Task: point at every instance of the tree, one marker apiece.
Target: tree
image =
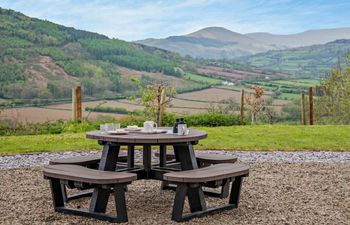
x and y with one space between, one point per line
333 104
155 97
255 101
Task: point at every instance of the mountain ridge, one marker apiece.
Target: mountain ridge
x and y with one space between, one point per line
232 44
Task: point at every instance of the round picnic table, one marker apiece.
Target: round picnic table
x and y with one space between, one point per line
183 149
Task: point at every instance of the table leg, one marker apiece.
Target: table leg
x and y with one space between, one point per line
108 162
186 156
147 159
131 156
162 155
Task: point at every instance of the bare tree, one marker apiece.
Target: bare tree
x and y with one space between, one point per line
255 101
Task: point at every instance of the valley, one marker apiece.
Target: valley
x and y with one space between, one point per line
39 67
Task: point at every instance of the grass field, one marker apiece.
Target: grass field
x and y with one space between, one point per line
253 138
204 79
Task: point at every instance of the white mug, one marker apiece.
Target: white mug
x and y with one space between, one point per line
182 129
149 126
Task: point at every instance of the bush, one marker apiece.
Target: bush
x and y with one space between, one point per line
107 109
206 120
60 126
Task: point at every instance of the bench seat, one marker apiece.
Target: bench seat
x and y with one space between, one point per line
86 160
84 174
205 158
103 183
207 174
190 182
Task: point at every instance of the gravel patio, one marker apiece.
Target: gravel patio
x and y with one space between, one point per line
295 192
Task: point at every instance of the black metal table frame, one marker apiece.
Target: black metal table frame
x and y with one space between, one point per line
184 154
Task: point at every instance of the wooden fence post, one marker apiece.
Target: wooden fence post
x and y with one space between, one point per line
311 102
161 113
74 109
76 104
303 116
242 107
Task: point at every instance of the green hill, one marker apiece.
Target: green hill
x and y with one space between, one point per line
44 60
311 61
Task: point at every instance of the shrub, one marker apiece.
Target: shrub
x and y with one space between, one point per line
206 120
107 109
60 126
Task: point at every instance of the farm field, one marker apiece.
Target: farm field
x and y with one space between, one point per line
204 79
299 82
187 103
226 73
36 114
288 89
211 94
178 83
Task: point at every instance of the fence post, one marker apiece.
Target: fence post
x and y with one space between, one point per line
242 107
76 104
303 116
161 113
74 109
311 102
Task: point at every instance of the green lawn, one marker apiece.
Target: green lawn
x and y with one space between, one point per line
259 137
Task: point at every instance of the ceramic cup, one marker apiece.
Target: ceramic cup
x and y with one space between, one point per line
182 129
149 126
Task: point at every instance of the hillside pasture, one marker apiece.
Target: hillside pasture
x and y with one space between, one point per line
180 84
211 95
203 79
36 114
226 73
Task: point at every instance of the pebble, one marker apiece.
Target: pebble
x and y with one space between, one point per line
40 159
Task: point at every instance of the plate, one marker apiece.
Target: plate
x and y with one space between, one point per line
114 132
133 129
157 131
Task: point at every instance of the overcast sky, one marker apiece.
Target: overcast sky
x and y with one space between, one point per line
140 19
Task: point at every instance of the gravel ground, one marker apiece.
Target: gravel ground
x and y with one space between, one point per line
274 193
34 160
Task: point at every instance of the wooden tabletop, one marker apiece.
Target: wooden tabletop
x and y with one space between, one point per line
137 138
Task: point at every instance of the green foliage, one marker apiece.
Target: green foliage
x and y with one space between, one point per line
10 73
206 120
202 79
125 54
333 106
107 109
90 58
311 61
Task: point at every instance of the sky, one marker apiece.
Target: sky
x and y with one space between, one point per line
140 19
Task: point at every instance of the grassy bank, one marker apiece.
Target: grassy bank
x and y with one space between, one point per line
264 138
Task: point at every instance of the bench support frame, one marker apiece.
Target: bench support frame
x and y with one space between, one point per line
120 203
184 189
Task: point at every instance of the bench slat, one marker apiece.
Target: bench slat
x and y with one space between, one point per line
86 160
83 174
207 174
205 157
215 158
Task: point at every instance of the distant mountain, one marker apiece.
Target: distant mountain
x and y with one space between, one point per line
311 61
310 37
211 42
221 43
